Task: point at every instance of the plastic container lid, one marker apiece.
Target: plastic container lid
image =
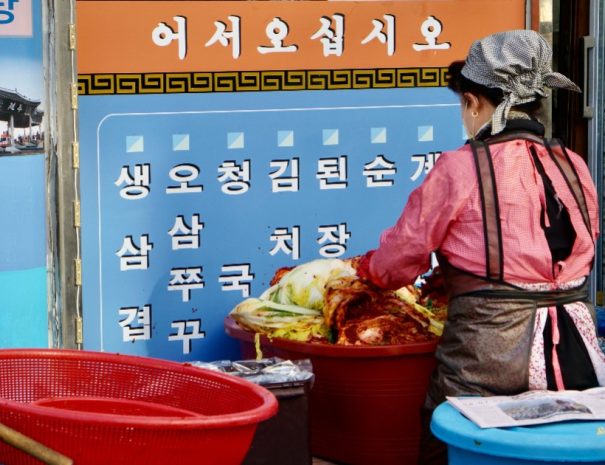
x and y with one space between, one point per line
271 372
580 441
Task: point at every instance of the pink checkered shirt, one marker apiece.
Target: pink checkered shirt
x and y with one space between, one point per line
444 214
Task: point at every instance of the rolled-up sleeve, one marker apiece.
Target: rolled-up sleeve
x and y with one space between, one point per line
405 248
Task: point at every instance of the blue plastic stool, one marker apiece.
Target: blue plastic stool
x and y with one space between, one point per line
571 443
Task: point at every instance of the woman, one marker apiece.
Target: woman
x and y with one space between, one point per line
513 219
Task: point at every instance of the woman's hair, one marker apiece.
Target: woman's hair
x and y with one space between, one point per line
460 84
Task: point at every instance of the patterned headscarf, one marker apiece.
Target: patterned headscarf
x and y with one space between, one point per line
519 63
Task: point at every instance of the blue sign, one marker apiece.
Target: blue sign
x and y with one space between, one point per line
190 203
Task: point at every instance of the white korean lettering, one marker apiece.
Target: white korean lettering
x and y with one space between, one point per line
136 326
384 37
133 257
286 241
332 39
332 173
377 170
163 35
184 174
334 237
430 29
185 236
425 163
236 278
185 280
282 182
235 178
225 37
137 185
277 30
195 332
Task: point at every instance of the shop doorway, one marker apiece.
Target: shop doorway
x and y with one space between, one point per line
578 43
571 26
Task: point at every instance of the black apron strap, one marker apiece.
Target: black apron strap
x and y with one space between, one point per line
560 157
488 193
494 262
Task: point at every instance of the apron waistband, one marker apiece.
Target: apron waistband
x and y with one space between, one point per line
461 283
541 298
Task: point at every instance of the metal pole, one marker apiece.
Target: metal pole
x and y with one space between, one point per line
594 106
61 188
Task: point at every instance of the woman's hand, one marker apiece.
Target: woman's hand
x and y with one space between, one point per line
362 266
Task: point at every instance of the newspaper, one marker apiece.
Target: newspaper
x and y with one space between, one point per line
532 407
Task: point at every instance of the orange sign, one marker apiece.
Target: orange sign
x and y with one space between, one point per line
183 36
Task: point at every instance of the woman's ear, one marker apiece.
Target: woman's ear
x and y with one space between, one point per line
472 101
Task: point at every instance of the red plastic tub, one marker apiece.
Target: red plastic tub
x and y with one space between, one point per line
108 409
365 401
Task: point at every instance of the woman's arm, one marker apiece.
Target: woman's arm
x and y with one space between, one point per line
405 248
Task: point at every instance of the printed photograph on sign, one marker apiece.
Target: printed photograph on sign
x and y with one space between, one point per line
21 80
24 318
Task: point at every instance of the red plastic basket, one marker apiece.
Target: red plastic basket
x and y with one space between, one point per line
365 401
109 409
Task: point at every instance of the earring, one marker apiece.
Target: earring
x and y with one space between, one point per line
474 114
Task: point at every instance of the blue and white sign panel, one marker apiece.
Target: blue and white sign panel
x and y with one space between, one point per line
191 203
223 140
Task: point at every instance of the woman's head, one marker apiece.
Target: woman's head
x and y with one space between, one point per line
461 85
506 70
478 102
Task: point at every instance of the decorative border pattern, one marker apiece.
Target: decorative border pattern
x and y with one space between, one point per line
245 81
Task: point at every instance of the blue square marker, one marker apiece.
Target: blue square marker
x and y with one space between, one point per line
378 135
135 143
425 133
180 142
330 137
285 138
235 140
